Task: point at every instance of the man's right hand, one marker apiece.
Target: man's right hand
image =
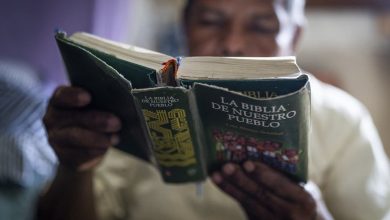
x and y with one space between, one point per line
80 136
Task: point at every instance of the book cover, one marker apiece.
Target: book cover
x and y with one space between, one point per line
271 130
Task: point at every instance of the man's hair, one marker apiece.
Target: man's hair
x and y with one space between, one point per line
295 9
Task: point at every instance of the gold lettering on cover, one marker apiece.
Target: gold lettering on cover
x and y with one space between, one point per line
171 137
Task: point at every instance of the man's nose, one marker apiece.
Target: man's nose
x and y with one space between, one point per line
233 42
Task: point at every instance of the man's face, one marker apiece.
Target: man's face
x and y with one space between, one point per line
237 28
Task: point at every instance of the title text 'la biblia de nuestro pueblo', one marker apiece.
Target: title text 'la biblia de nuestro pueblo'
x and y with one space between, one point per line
265 116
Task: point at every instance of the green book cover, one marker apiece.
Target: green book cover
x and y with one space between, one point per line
273 129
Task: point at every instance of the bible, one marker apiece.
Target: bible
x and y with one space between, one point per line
190 115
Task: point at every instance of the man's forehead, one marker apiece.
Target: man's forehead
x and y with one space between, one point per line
294 8
262 6
284 2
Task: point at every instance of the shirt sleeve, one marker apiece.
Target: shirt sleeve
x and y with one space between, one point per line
356 181
112 183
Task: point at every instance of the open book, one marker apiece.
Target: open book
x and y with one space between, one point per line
191 115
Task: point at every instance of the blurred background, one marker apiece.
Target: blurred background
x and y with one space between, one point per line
345 43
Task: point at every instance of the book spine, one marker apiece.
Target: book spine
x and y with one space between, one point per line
172 131
199 133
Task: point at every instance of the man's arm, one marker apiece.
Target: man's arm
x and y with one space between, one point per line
358 177
357 171
80 137
69 197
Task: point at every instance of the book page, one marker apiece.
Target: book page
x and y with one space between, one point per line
122 51
237 67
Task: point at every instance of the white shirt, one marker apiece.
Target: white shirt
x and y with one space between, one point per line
346 161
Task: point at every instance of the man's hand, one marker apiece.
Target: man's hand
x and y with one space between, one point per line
265 193
79 136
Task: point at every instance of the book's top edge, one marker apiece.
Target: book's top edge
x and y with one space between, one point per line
193 68
84 35
264 59
238 67
233 78
134 54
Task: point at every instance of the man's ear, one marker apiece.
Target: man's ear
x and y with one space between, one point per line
297 36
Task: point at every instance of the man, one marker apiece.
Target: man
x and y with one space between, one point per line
347 161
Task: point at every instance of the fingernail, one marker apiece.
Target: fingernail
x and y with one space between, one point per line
113 123
249 166
229 169
217 178
84 98
114 139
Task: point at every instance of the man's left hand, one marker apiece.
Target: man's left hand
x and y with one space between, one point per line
265 193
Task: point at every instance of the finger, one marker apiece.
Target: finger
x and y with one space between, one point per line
77 136
99 121
276 182
69 97
90 119
252 207
235 175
